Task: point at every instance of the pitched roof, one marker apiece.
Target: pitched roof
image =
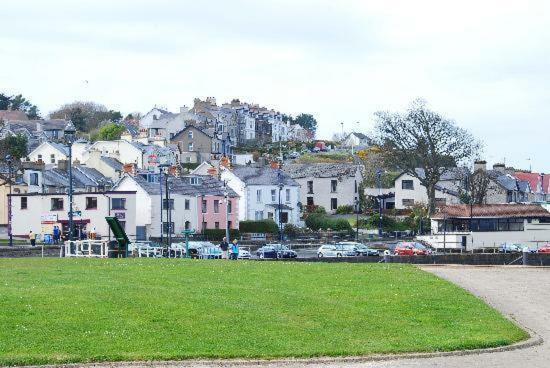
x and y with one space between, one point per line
533 178
492 211
83 177
112 162
263 176
451 173
13 115
320 170
208 185
359 135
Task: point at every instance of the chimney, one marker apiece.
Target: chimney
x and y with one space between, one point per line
212 171
63 165
129 169
274 164
501 168
480 165
174 171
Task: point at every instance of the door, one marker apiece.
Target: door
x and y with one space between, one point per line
464 243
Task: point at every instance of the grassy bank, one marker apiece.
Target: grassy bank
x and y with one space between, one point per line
80 310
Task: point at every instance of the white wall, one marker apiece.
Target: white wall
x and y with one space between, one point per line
419 193
28 219
345 191
47 150
122 150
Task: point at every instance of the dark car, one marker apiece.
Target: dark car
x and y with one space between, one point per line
275 251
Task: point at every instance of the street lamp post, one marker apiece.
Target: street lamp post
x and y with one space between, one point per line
357 210
280 177
379 183
226 198
168 206
69 134
10 232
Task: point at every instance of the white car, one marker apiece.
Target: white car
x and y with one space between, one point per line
243 254
329 250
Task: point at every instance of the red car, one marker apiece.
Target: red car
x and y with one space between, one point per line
410 249
544 249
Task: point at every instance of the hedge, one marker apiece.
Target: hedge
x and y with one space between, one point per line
261 226
317 221
218 234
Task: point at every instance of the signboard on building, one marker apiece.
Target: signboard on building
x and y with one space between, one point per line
48 218
120 215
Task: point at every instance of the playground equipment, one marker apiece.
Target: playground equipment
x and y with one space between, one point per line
120 236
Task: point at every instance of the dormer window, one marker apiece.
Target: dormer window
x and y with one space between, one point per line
190 135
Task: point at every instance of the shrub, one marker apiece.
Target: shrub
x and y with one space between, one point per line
344 209
218 234
317 221
261 226
291 230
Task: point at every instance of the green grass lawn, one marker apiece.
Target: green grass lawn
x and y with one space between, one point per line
82 310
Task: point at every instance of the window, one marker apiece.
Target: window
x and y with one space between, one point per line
216 206
259 215
168 205
204 206
333 203
194 180
187 204
310 187
284 217
52 158
91 203
118 203
259 196
39 157
355 182
287 195
408 202
190 135
187 225
216 225
166 228
33 179
229 206
270 215
273 195
310 201
57 204
190 146
440 201
24 203
407 184
229 224
171 135
333 185
204 225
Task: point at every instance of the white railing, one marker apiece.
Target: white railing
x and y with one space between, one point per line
85 248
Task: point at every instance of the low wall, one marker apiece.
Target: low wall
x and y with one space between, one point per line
534 259
18 252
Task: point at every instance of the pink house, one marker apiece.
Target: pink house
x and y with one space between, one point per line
212 211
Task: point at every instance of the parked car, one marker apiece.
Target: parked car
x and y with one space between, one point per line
365 250
544 249
510 248
348 249
329 250
275 251
244 253
410 249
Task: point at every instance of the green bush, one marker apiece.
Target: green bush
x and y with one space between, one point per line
345 209
291 230
218 234
261 226
317 221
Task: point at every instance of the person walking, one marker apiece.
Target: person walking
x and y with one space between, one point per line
92 233
32 238
224 246
235 249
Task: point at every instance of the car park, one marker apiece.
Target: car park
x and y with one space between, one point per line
275 251
329 250
510 248
410 249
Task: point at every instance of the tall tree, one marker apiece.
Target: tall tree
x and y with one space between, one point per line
109 132
86 116
18 102
477 186
422 138
13 145
306 121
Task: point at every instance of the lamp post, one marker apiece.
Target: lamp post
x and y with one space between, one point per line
69 135
226 198
168 206
379 183
10 233
280 179
444 225
357 210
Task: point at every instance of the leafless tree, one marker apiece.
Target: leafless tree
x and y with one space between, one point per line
421 138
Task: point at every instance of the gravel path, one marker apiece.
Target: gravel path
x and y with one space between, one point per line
521 293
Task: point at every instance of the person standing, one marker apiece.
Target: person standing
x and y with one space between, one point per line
32 238
224 246
235 249
56 235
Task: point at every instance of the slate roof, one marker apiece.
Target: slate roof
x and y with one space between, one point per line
451 173
82 177
359 135
262 176
112 162
61 148
320 170
492 211
208 186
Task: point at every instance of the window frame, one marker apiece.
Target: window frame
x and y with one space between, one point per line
87 203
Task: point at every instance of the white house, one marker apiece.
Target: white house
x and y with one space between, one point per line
195 203
259 189
408 190
40 212
49 153
355 139
489 225
326 184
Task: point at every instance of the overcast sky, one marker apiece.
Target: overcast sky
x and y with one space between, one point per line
485 64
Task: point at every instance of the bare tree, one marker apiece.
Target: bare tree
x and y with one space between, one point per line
478 185
421 138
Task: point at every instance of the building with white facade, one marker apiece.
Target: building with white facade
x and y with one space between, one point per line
49 153
40 212
468 227
327 184
259 189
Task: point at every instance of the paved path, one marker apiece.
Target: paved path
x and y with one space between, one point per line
522 293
